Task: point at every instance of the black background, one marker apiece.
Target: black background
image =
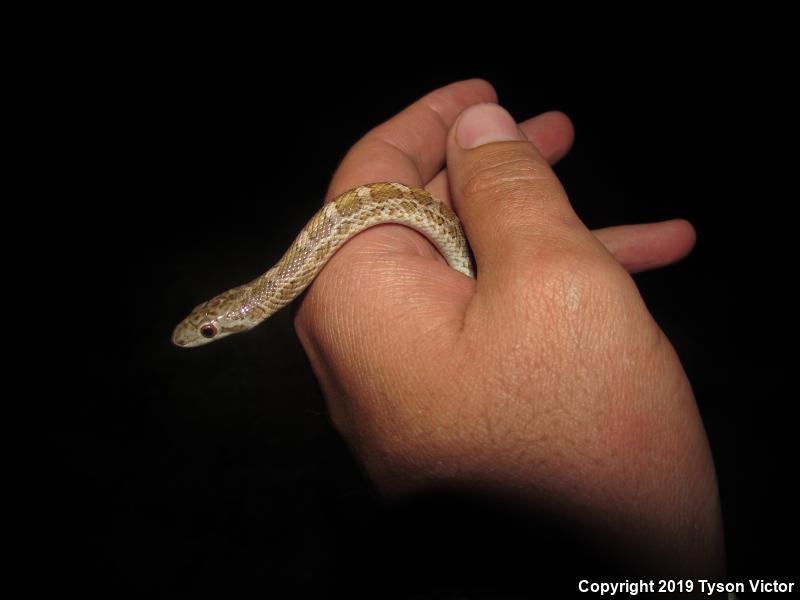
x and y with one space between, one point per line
184 168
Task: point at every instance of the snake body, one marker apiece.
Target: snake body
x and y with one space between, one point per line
244 307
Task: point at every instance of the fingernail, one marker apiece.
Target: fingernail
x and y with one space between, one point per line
484 124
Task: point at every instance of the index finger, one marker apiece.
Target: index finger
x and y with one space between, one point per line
410 147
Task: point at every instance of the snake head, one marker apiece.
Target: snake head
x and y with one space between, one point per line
210 321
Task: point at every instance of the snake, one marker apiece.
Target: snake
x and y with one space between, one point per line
246 306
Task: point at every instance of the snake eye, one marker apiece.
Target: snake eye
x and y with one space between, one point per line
208 330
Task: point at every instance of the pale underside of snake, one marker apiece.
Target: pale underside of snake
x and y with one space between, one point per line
244 307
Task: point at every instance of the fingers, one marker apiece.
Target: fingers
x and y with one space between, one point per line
411 146
648 245
510 201
551 132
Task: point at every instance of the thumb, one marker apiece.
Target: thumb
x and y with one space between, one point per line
511 204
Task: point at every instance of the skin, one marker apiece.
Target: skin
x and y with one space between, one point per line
545 379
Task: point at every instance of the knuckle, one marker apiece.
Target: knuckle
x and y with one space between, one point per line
507 174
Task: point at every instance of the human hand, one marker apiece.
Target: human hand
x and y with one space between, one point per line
546 377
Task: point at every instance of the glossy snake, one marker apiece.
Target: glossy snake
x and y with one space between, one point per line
245 306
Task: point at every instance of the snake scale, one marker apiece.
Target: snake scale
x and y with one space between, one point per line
244 307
